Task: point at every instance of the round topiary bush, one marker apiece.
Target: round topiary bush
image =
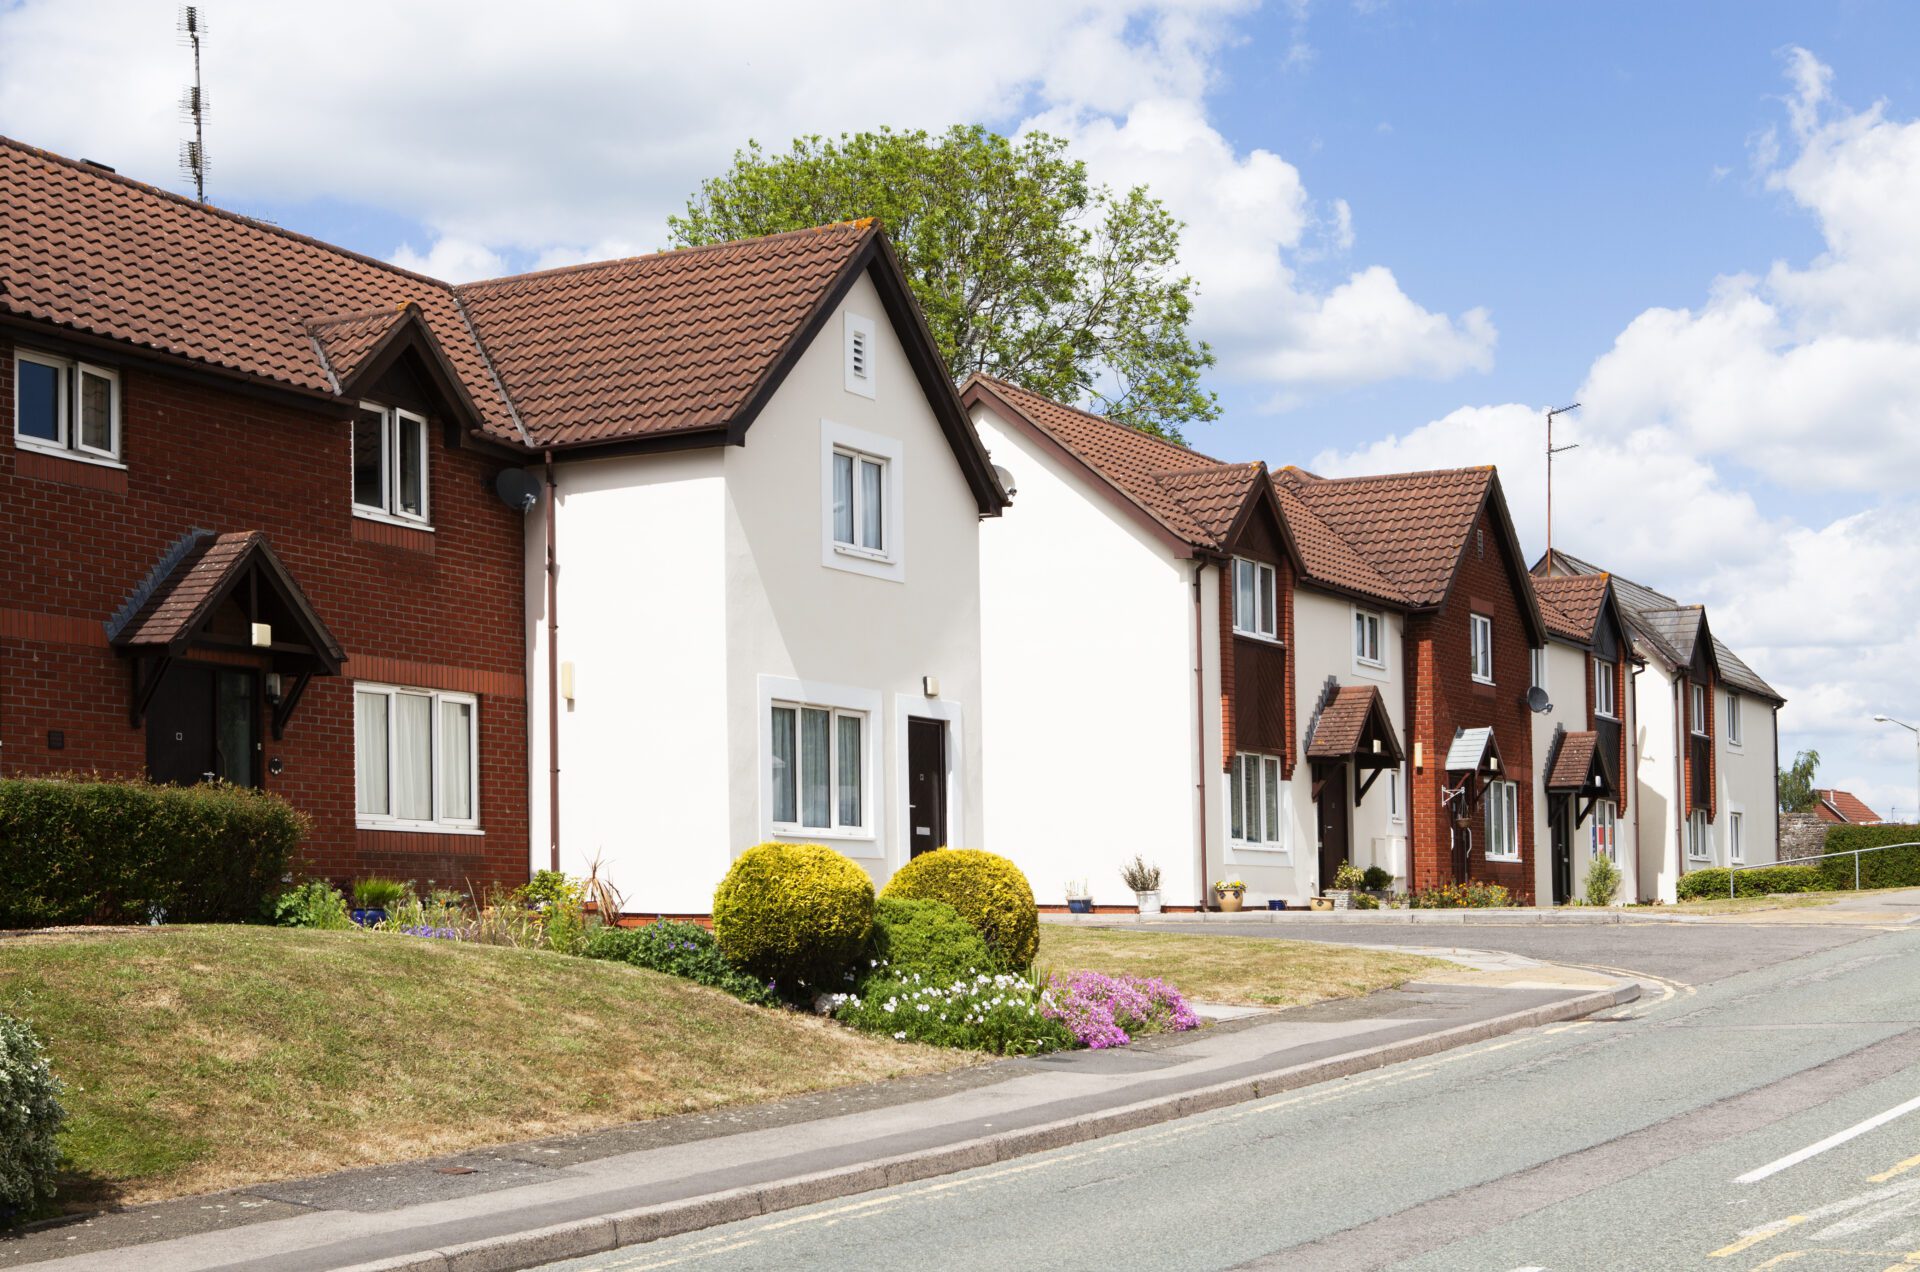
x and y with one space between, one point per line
989 892
30 1117
927 937
793 914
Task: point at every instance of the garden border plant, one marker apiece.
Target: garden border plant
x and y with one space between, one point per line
30 1122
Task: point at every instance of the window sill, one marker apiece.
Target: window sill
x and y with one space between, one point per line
1264 640
1502 861
51 451
1483 680
1274 850
863 554
416 828
388 519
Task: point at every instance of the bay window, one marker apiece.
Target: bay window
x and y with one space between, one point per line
416 758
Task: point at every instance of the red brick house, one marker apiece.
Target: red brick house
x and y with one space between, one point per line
248 482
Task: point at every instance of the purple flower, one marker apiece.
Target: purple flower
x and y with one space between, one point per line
1107 1011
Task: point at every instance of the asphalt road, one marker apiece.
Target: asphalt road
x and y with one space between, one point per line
1674 1134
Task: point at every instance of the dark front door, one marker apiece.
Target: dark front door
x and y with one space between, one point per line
1333 823
202 723
926 785
1562 853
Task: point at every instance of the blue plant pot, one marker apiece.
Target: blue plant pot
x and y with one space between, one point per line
1079 905
367 918
1276 903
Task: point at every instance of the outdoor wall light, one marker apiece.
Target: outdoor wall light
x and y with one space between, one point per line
1418 762
566 681
262 635
273 687
930 686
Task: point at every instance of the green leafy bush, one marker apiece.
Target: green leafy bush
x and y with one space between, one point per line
313 904
87 850
1349 878
989 892
928 937
1001 1014
377 894
1760 882
1376 879
678 949
1889 868
1363 901
1603 880
561 904
30 1118
1460 896
794 914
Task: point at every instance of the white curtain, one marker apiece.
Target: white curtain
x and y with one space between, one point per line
815 750
849 764
785 807
370 751
842 498
413 757
872 502
456 761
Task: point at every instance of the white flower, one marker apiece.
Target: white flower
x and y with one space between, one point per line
900 1035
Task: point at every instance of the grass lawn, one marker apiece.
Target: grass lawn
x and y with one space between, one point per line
1252 970
205 1057
1741 905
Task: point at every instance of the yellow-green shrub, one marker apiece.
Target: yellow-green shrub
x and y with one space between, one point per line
793 914
989 892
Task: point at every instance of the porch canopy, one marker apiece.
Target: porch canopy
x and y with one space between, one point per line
1579 768
224 594
1352 725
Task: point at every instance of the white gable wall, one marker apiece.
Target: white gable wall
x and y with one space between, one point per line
1657 819
1747 778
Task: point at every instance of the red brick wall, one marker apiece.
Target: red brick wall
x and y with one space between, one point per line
81 538
1442 695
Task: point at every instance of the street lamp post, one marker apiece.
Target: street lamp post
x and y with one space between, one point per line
1910 728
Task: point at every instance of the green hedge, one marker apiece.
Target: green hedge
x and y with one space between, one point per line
96 851
1893 868
1760 882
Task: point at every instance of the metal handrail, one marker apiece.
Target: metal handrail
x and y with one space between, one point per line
1795 861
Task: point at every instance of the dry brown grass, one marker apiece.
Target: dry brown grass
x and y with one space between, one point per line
206 1057
1251 970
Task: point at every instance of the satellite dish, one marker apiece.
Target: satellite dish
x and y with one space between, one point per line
517 488
1537 700
1006 480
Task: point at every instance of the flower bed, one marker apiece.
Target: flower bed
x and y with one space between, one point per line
1000 1013
1111 1011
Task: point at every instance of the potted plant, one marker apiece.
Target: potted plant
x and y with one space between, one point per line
1079 897
1345 881
1230 894
1378 881
372 898
1145 882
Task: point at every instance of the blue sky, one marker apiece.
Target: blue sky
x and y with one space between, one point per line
1414 225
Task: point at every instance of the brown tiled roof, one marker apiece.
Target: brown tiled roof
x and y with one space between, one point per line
1571 604
1327 557
346 342
1848 807
177 604
1410 527
101 254
1195 498
656 344
1342 722
1573 762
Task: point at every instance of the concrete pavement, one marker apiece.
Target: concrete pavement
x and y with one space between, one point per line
1759 1118
515 1206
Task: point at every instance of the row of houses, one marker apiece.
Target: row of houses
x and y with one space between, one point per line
648 560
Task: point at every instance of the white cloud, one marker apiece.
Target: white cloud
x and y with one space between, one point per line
1809 374
453 259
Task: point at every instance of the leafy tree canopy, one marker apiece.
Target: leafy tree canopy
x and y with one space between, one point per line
1024 270
1796 783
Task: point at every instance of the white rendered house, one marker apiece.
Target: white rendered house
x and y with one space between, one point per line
765 611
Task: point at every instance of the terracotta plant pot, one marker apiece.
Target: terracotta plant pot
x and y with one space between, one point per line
1230 901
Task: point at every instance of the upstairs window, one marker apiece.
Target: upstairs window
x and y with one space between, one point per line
65 407
1604 687
863 512
1503 821
1480 649
1733 720
1366 639
859 502
1539 667
1254 599
389 463
1699 701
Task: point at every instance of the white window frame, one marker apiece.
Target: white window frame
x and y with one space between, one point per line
834 715
1736 733
890 562
1480 648
1606 830
1266 587
1606 676
1502 808
1736 836
1369 622
856 841
1539 669
67 444
1396 794
1699 702
862 334
1270 835
1699 836
436 780
392 418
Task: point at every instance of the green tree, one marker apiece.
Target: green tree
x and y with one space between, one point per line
1796 783
1024 269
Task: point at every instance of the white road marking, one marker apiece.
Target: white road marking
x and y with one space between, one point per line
1840 1137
